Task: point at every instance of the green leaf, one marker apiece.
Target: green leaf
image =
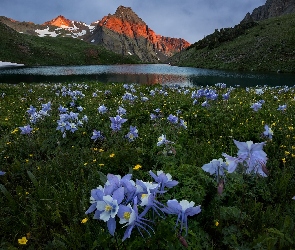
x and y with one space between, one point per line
8 196
103 177
33 178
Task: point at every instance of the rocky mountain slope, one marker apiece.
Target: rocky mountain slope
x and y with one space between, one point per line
264 46
123 33
272 8
57 27
126 33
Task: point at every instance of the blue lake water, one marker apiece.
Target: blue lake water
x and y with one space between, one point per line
142 74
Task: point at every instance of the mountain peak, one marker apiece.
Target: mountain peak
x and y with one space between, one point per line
59 21
127 14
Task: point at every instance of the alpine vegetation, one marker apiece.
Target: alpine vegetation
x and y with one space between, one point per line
165 166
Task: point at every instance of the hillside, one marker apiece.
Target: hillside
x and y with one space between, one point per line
33 50
267 46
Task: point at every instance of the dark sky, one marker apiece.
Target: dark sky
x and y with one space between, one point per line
188 19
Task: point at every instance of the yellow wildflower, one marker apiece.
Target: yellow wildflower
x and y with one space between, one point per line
100 150
112 155
101 164
284 160
22 241
287 152
84 220
137 167
216 223
14 131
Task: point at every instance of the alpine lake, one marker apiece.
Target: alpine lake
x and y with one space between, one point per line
142 74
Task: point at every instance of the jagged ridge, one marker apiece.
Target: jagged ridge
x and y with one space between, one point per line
272 8
125 27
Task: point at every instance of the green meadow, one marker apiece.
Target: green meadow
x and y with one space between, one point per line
50 171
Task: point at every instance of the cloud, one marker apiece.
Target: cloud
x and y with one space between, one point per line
188 19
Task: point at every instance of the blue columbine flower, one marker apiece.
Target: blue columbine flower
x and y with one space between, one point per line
164 180
216 167
226 96
108 207
259 91
80 108
46 107
282 107
116 122
173 119
26 130
182 209
231 162
97 135
183 123
115 182
121 111
205 104
102 109
133 133
132 219
71 126
2 173
153 116
268 133
253 155
85 118
62 109
256 106
31 110
162 140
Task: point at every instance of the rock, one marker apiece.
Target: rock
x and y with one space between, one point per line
272 8
126 33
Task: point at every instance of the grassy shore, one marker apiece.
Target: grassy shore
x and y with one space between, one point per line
51 169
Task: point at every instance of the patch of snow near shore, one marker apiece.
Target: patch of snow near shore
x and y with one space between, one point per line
5 64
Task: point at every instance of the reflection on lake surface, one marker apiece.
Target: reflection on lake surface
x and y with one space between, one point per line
142 74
